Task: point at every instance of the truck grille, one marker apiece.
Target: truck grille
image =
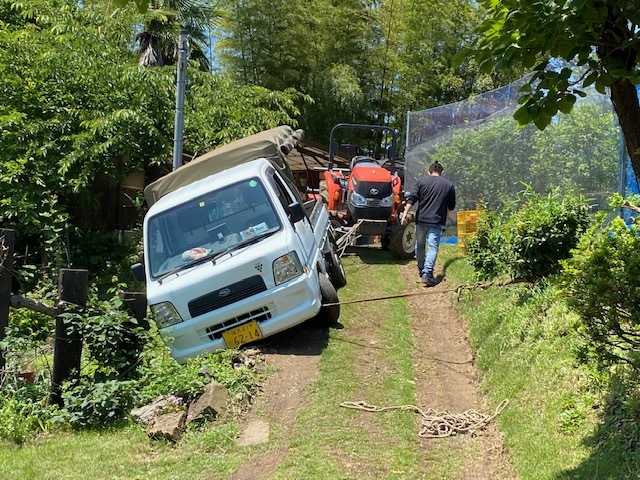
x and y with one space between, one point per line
226 296
259 315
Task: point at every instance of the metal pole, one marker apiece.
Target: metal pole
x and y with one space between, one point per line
180 87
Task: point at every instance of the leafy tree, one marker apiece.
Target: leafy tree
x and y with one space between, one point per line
598 37
488 163
581 149
262 42
433 33
77 109
361 62
68 117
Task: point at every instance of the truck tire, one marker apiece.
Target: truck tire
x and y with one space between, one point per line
402 242
328 315
335 269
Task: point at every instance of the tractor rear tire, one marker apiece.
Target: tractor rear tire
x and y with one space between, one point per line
329 315
402 242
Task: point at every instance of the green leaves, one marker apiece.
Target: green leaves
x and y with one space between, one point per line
601 280
529 241
598 36
141 5
77 110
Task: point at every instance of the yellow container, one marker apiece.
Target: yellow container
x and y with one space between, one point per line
467 226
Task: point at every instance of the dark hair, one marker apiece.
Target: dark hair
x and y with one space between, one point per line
436 167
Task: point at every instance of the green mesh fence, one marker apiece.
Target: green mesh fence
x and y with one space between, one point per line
490 159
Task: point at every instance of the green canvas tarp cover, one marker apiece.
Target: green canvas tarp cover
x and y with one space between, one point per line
273 144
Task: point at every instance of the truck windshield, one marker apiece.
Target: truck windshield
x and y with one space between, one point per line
208 225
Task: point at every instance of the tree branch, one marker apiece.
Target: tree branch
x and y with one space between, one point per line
22 302
626 204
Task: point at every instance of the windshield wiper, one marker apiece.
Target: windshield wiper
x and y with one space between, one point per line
192 263
240 245
213 257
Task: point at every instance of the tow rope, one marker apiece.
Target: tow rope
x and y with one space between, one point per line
438 424
459 289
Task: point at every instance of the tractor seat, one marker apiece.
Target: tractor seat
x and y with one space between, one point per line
360 159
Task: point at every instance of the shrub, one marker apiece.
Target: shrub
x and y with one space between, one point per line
161 375
486 251
124 366
88 403
113 338
529 238
24 410
602 283
19 420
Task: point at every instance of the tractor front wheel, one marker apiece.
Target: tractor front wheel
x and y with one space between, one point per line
402 241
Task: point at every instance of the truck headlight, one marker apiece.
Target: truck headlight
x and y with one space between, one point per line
286 267
387 201
165 314
357 200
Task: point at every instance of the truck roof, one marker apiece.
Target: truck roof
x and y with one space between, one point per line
205 185
273 144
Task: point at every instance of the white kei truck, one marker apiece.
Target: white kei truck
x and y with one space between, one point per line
232 253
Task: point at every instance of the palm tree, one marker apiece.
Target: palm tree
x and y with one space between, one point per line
162 23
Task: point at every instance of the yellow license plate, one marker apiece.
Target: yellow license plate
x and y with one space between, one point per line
245 333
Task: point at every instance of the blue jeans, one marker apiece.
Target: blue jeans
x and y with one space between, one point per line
427 237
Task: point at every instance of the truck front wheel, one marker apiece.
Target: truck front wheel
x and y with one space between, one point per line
328 315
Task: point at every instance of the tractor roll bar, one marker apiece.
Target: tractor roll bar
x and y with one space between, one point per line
392 150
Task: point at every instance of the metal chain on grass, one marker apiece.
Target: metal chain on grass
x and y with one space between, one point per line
438 424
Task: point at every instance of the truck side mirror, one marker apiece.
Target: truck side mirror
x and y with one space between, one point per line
137 269
296 212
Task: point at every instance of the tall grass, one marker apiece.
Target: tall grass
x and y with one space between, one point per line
525 340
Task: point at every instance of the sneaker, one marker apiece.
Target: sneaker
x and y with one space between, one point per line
428 280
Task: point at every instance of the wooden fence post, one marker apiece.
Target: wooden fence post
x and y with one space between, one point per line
67 350
7 243
135 303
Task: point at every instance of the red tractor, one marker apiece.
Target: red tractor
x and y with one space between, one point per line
367 199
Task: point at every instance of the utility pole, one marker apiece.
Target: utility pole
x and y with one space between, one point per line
181 78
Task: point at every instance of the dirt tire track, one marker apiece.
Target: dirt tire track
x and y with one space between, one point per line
295 356
446 374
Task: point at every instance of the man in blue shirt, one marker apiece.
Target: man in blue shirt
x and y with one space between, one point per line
436 197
